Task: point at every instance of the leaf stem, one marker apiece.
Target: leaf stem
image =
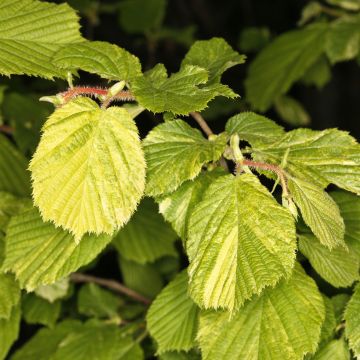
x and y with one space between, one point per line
202 123
110 284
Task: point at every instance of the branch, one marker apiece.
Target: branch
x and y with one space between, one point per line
110 284
6 129
202 123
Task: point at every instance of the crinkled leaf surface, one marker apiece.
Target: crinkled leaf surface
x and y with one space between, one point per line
281 323
147 236
240 240
180 93
254 128
31 32
89 170
173 317
106 60
352 318
39 253
283 62
337 266
319 211
175 152
9 331
9 295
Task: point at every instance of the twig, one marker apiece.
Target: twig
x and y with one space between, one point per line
110 284
6 129
202 123
331 12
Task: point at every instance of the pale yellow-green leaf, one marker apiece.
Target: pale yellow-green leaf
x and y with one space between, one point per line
9 295
240 240
57 290
352 318
282 323
335 349
89 170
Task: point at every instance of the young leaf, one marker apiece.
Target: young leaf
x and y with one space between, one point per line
339 302
39 311
9 331
256 129
175 152
93 301
9 295
101 58
180 93
319 74
337 266
177 206
292 111
89 170
31 32
334 349
352 318
147 236
14 177
343 39
214 55
319 211
240 240
329 324
281 323
39 253
282 63
173 317
55 291
330 156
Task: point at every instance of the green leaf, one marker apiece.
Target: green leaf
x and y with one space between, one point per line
39 311
55 291
14 177
319 211
175 152
312 10
283 62
9 331
339 303
329 324
352 318
145 279
328 156
177 206
9 295
343 40
31 32
180 355
173 317
89 170
40 254
240 240
180 93
346 4
337 266
253 39
214 55
150 16
335 349
147 236
101 58
319 74
282 323
292 111
254 128
93 301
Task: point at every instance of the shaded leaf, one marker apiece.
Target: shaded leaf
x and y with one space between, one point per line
352 318
9 295
9 331
292 111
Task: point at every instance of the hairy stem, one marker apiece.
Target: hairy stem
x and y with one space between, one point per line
110 284
202 123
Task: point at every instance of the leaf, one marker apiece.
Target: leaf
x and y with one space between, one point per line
283 62
282 323
328 156
88 171
329 324
149 18
339 303
343 40
319 74
292 111
352 318
175 152
214 55
240 240
180 93
337 266
253 39
55 291
319 211
335 349
254 128
9 331
39 311
40 254
172 319
101 58
346 4
93 301
180 355
312 10
14 177
147 236
177 206
31 32
9 295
